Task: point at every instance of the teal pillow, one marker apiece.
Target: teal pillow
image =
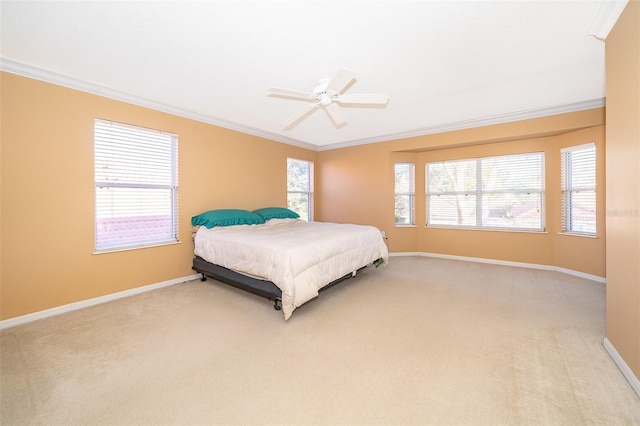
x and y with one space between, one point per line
226 217
276 213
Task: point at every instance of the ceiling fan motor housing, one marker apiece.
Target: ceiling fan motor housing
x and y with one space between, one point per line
322 95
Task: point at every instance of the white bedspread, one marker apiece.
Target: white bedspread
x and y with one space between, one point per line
299 257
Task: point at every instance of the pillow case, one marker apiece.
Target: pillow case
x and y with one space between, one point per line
276 213
226 217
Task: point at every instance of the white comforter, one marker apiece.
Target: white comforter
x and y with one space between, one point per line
299 257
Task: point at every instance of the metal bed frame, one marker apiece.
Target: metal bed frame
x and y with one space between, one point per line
264 288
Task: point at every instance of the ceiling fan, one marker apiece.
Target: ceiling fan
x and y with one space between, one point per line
327 94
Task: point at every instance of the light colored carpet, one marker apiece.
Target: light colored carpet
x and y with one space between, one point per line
422 341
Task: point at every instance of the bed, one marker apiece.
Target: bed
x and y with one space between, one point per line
281 257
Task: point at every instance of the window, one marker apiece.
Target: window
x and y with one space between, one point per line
300 187
578 182
136 186
505 192
405 194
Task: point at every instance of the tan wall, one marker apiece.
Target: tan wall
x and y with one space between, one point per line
47 193
623 186
372 165
580 253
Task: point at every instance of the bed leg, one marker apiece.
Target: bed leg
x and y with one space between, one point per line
276 306
203 278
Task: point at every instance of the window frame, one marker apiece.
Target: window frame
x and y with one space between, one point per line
478 192
308 191
410 193
107 134
567 190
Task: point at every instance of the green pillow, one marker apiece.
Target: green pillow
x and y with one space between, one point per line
226 217
276 213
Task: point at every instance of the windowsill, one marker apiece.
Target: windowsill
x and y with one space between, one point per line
116 250
405 226
577 234
469 228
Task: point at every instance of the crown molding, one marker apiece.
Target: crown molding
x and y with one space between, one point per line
610 11
477 122
25 70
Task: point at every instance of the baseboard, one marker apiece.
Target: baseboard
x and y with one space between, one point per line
624 368
12 322
505 263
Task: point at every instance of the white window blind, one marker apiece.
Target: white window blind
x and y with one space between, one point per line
504 192
136 186
404 193
578 183
300 187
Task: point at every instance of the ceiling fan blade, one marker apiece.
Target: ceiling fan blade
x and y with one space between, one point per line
341 80
364 98
336 115
292 121
288 93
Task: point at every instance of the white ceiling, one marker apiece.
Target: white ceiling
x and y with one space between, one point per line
444 64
